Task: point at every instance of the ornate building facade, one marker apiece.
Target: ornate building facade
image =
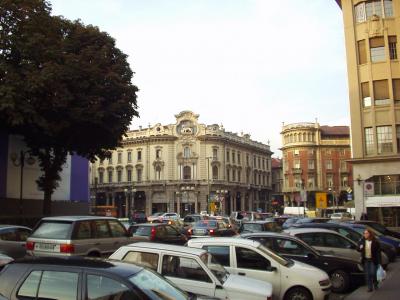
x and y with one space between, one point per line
186 167
315 160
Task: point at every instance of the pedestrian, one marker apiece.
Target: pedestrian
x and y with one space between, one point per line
370 249
364 216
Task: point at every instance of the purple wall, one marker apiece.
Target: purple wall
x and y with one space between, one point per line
3 163
79 189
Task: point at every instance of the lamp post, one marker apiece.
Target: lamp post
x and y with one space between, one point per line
19 161
129 201
208 183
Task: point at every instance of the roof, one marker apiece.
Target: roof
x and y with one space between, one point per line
76 218
225 240
166 247
276 162
307 230
259 221
13 226
266 234
335 130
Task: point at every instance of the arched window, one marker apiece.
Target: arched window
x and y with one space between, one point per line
215 173
158 173
187 173
186 152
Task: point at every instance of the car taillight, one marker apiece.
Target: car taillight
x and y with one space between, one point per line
67 248
30 245
269 298
153 233
190 231
211 231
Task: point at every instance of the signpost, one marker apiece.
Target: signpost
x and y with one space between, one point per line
321 200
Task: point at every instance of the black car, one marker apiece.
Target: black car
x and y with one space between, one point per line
210 228
379 227
260 226
346 230
157 232
80 278
344 273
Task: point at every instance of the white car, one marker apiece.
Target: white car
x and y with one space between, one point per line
290 279
194 271
343 216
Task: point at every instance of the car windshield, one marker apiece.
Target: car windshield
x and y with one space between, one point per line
212 263
252 227
205 224
280 259
141 230
361 230
53 230
156 287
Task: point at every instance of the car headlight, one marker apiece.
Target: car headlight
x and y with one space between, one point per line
325 282
360 267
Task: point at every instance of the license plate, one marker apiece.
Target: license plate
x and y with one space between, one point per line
47 247
200 231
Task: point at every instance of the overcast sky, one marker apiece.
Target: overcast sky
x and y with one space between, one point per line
247 64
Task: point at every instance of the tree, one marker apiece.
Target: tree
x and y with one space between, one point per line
64 87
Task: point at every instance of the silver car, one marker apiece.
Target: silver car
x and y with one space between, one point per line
13 239
77 235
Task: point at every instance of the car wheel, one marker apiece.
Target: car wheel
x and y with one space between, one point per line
340 281
298 293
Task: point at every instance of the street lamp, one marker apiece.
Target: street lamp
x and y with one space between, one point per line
129 201
19 161
208 182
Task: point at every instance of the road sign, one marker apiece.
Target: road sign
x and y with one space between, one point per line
321 200
349 197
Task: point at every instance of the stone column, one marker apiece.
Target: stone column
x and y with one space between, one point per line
148 203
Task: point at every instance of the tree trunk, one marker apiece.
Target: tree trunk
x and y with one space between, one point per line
47 203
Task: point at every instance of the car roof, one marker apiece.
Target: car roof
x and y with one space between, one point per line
308 230
167 247
267 234
77 218
226 240
259 222
4 226
149 224
111 266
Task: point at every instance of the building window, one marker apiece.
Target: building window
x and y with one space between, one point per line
186 152
233 175
263 164
215 173
238 156
158 153
247 158
110 176
342 152
129 175
329 164
259 163
259 179
110 160
239 176
398 138
129 156
187 173
139 155
119 158
119 176
365 10
343 166
344 181
369 140
381 92
255 178
101 177
233 157
360 12
329 181
298 182
228 177
388 8
393 47
362 52
227 156
215 153
139 175
384 139
101 161
396 91
311 164
254 162
365 94
297 163
311 152
158 173
310 182
377 47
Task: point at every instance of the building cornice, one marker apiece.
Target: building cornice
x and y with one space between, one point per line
391 158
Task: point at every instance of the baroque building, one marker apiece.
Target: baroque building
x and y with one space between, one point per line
315 160
186 167
371 29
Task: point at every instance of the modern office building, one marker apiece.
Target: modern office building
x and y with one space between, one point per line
372 29
184 167
315 160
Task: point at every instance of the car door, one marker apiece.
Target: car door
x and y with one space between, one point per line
172 236
103 239
340 245
10 244
251 263
118 235
99 286
188 274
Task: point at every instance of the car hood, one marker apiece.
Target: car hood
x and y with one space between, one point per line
244 285
307 270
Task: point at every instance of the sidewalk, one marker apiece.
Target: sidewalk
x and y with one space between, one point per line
388 289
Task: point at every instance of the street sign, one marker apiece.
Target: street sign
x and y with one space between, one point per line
321 200
349 197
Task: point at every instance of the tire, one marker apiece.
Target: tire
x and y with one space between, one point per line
340 281
298 293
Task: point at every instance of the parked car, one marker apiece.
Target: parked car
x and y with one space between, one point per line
348 231
265 215
380 228
290 279
157 232
228 222
77 235
302 221
79 278
330 242
344 273
210 228
13 239
190 220
194 271
342 216
138 217
289 222
154 217
240 216
259 226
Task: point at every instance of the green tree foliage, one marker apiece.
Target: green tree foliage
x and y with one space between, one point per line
64 87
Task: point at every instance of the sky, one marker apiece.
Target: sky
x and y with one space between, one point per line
247 64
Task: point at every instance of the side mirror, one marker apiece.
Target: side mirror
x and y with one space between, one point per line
271 269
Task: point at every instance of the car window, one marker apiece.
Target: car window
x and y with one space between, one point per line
117 230
336 241
266 242
141 230
23 234
285 246
9 234
160 232
220 254
84 230
249 259
101 229
53 285
312 239
355 237
171 231
53 230
252 227
273 227
145 259
104 288
185 268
